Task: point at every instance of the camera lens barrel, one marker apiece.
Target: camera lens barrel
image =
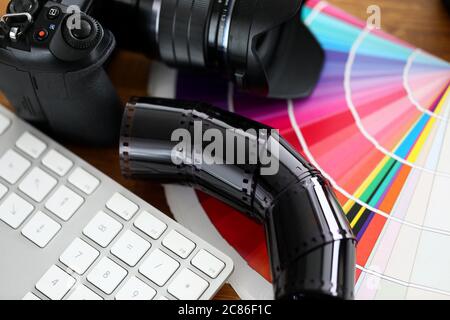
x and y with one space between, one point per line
261 45
219 30
181 31
200 33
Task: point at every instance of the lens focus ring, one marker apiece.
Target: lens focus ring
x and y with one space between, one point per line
182 31
197 34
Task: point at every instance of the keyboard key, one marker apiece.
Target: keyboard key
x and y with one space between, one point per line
57 163
122 206
14 210
207 263
30 296
84 181
178 244
135 289
150 225
159 267
187 286
4 124
55 283
64 203
3 190
38 184
102 229
82 293
79 256
107 275
130 248
41 229
13 166
31 145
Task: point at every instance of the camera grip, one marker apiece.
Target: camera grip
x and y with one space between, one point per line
82 104
23 98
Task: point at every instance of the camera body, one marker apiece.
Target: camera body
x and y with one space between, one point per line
52 70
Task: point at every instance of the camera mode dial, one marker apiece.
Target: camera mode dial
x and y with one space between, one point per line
23 6
81 31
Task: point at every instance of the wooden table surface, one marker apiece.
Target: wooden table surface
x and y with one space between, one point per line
424 23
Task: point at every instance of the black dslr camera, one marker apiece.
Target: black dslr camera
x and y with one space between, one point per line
52 53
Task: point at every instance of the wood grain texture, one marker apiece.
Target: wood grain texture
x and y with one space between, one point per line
424 23
3 4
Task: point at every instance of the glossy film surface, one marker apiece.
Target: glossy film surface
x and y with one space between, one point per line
311 245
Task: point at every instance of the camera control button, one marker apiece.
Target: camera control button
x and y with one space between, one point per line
53 13
41 34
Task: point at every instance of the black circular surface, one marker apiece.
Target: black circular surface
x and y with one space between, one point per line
84 36
20 6
84 31
53 13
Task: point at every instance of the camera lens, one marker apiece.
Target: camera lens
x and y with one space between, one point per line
261 45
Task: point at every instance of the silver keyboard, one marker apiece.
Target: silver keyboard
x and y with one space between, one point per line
67 231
